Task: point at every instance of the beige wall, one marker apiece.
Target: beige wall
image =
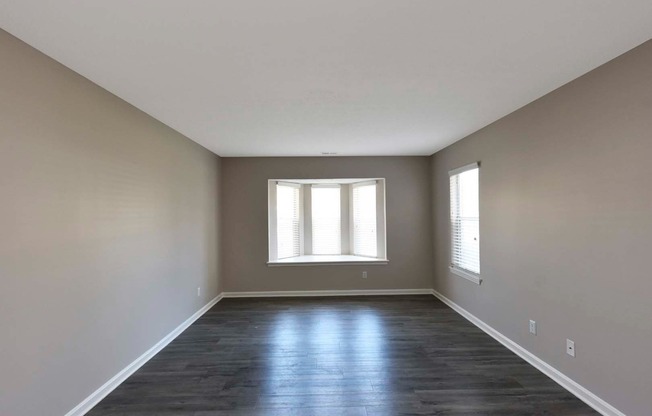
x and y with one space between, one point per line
566 227
109 224
245 224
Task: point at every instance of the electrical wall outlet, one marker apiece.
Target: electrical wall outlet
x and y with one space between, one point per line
364 275
570 347
198 290
533 327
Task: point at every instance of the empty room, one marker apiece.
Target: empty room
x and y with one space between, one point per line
325 208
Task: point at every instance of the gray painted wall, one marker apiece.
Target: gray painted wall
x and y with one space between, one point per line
109 223
566 221
245 224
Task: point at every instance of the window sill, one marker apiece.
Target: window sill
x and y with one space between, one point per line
466 275
326 261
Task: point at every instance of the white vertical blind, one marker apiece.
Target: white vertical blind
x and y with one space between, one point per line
326 220
288 227
365 234
465 220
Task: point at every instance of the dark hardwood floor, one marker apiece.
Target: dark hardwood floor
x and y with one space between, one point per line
348 356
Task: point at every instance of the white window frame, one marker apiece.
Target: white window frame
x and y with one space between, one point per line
346 201
272 212
380 220
455 269
337 186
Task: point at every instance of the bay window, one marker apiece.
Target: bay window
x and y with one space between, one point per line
326 221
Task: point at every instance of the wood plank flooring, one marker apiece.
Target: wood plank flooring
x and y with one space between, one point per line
347 356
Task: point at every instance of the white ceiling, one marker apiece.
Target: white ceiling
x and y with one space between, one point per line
355 77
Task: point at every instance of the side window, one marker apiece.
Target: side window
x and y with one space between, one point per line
465 219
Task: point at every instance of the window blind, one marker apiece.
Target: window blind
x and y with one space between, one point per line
326 220
288 227
465 219
365 238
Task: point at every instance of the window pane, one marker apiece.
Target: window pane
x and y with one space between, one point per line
365 239
288 237
465 221
326 220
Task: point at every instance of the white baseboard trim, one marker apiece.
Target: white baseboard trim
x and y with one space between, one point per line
302 293
95 397
560 378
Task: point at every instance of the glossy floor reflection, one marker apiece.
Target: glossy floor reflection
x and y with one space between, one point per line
350 356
